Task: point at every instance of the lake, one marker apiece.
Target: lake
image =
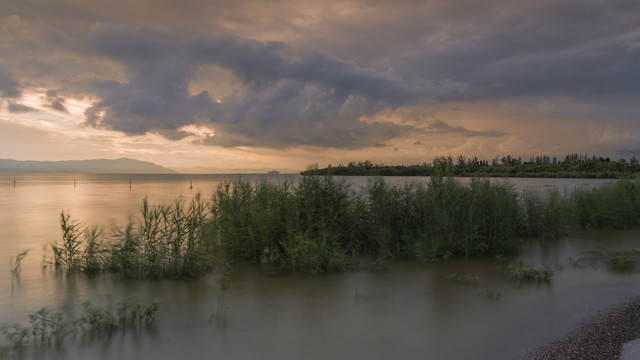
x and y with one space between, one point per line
408 310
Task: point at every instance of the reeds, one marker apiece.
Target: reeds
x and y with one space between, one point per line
167 242
548 218
611 205
322 224
286 226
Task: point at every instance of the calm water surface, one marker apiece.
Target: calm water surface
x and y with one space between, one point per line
409 310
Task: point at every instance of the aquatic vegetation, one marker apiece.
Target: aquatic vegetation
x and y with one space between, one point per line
67 254
494 295
623 260
15 266
463 279
612 205
550 218
321 224
167 242
476 220
127 315
524 271
46 328
308 227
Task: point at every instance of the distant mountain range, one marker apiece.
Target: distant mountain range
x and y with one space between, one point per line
98 166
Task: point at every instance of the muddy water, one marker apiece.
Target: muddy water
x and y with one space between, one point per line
407 310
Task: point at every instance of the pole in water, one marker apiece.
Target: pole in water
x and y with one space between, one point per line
14 182
129 184
190 185
74 183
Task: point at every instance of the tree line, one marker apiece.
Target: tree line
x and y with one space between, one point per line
572 166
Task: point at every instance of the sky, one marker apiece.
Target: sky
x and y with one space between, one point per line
210 85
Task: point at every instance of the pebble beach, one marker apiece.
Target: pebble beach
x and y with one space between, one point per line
601 337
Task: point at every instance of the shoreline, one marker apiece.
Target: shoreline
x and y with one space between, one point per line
600 337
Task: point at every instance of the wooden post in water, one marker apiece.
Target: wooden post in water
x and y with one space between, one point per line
74 183
190 185
14 183
129 184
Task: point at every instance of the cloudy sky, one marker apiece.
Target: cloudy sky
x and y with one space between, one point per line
200 84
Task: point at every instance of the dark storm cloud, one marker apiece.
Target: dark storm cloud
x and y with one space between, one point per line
154 95
19 108
312 99
9 87
307 75
54 101
577 48
261 64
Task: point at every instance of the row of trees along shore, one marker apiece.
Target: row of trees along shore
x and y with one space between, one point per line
572 166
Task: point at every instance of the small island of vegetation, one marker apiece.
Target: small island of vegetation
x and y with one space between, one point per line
572 166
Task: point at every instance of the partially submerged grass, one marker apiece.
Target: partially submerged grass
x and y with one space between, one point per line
624 259
612 205
321 224
549 218
46 328
524 271
15 266
167 242
464 279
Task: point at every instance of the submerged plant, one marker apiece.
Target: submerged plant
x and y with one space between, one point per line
126 315
46 327
494 295
14 265
623 260
524 271
463 279
15 268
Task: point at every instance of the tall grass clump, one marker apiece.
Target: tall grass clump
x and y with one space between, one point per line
168 241
475 220
305 227
548 218
393 218
321 224
611 205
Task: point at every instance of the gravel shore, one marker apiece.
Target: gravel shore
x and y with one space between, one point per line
600 338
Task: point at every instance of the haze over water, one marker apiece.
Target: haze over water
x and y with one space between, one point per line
409 310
